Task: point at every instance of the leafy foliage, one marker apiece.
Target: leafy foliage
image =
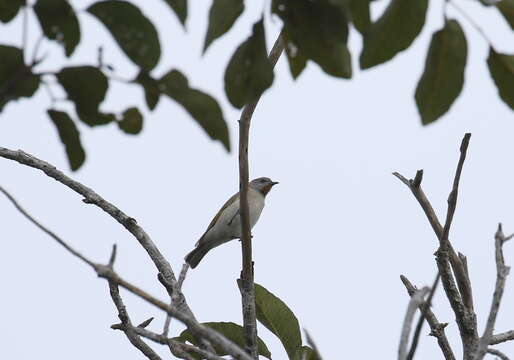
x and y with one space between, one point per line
315 30
222 16
180 9
506 8
249 72
231 331
134 33
9 9
360 14
501 67
132 121
59 22
150 87
393 32
204 109
16 79
443 77
70 137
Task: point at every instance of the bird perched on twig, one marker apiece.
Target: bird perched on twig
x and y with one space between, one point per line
226 225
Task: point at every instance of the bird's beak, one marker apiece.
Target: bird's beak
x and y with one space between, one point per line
274 183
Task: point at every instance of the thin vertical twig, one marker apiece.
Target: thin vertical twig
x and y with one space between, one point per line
416 300
247 286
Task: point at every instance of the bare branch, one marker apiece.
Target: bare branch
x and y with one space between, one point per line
416 300
502 337
498 353
437 328
501 275
421 321
247 286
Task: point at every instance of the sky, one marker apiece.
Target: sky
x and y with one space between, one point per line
335 234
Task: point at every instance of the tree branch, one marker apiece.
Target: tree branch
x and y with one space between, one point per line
498 353
416 300
247 286
437 328
501 275
502 337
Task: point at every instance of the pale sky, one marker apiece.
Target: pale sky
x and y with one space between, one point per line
335 234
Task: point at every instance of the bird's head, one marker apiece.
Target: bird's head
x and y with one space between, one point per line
263 185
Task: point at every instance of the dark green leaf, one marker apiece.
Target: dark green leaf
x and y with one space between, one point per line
306 353
506 8
295 58
180 8
319 30
86 86
132 30
202 107
222 16
16 79
501 67
443 78
9 9
359 10
393 32
276 316
59 22
70 137
132 121
249 72
151 88
231 331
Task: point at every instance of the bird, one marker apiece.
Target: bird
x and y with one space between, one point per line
226 224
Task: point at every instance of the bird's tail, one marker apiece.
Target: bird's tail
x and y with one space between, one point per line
195 256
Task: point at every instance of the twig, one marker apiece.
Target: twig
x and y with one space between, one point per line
25 31
421 321
247 286
472 22
437 328
498 353
416 300
501 275
502 337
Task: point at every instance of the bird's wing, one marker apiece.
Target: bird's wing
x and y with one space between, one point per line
215 219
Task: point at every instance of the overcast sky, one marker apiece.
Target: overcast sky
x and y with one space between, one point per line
335 234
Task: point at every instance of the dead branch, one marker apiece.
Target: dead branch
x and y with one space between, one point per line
416 300
498 353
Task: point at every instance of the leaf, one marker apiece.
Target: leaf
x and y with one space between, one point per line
249 72
9 9
222 16
132 30
506 8
393 32
180 9
276 316
16 79
359 10
132 121
443 78
306 353
150 87
296 60
319 29
501 67
86 86
59 22
231 331
202 107
70 137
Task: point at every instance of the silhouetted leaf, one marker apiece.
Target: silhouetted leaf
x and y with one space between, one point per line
359 10
16 79
151 88
249 72
393 32
222 16
180 9
506 8
202 107
231 331
132 121
9 9
305 353
70 137
443 78
295 58
319 30
276 316
59 22
132 30
501 67
86 86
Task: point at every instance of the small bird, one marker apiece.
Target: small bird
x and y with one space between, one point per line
226 225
